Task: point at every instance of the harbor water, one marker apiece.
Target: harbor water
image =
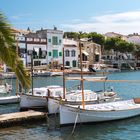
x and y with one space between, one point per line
127 129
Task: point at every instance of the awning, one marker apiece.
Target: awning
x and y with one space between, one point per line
85 53
97 53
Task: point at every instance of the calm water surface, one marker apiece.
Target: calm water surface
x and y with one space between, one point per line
128 129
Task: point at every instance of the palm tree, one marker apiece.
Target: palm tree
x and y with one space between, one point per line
8 53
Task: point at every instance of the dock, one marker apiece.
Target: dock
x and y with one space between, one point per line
17 118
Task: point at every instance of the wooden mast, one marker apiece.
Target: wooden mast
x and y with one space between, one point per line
82 80
16 77
63 75
32 72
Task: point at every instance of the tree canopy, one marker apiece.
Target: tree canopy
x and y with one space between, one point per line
119 45
97 38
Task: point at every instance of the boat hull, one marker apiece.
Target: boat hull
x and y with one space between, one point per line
53 105
9 100
29 101
69 114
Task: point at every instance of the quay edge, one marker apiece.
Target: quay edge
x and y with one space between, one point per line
19 118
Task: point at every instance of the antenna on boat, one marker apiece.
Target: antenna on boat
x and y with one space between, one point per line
82 80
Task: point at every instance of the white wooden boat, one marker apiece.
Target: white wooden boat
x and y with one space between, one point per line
75 98
8 75
10 99
41 73
55 73
6 88
70 114
39 98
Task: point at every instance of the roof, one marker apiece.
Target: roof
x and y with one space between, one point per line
19 31
69 42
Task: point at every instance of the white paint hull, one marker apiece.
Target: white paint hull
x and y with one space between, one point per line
29 101
68 114
5 88
56 73
53 106
9 100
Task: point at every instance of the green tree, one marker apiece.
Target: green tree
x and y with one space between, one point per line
75 35
8 53
97 38
124 46
71 35
111 43
137 51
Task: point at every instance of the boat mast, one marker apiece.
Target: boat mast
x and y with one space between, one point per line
32 72
63 75
16 77
82 80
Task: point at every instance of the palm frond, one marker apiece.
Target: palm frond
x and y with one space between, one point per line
8 53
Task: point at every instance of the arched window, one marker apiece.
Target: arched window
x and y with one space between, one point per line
67 63
73 53
74 63
67 53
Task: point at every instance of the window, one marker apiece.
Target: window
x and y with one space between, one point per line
60 53
67 63
40 53
74 63
67 53
73 53
59 41
96 58
49 40
50 54
55 53
55 40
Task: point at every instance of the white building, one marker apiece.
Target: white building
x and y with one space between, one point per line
37 47
70 52
135 38
46 46
112 34
54 46
19 36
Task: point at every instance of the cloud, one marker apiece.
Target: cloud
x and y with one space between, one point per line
18 16
125 23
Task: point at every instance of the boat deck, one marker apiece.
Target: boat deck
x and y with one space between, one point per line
118 105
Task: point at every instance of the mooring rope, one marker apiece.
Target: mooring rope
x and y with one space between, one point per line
75 120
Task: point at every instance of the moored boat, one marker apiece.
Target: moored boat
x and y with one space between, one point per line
39 98
70 114
5 88
10 99
75 98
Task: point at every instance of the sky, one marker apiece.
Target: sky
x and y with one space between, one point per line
101 16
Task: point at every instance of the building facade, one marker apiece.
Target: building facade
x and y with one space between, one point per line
44 45
91 53
70 52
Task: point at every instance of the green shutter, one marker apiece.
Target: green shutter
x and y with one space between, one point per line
49 40
55 53
60 53
74 63
50 53
55 40
60 41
